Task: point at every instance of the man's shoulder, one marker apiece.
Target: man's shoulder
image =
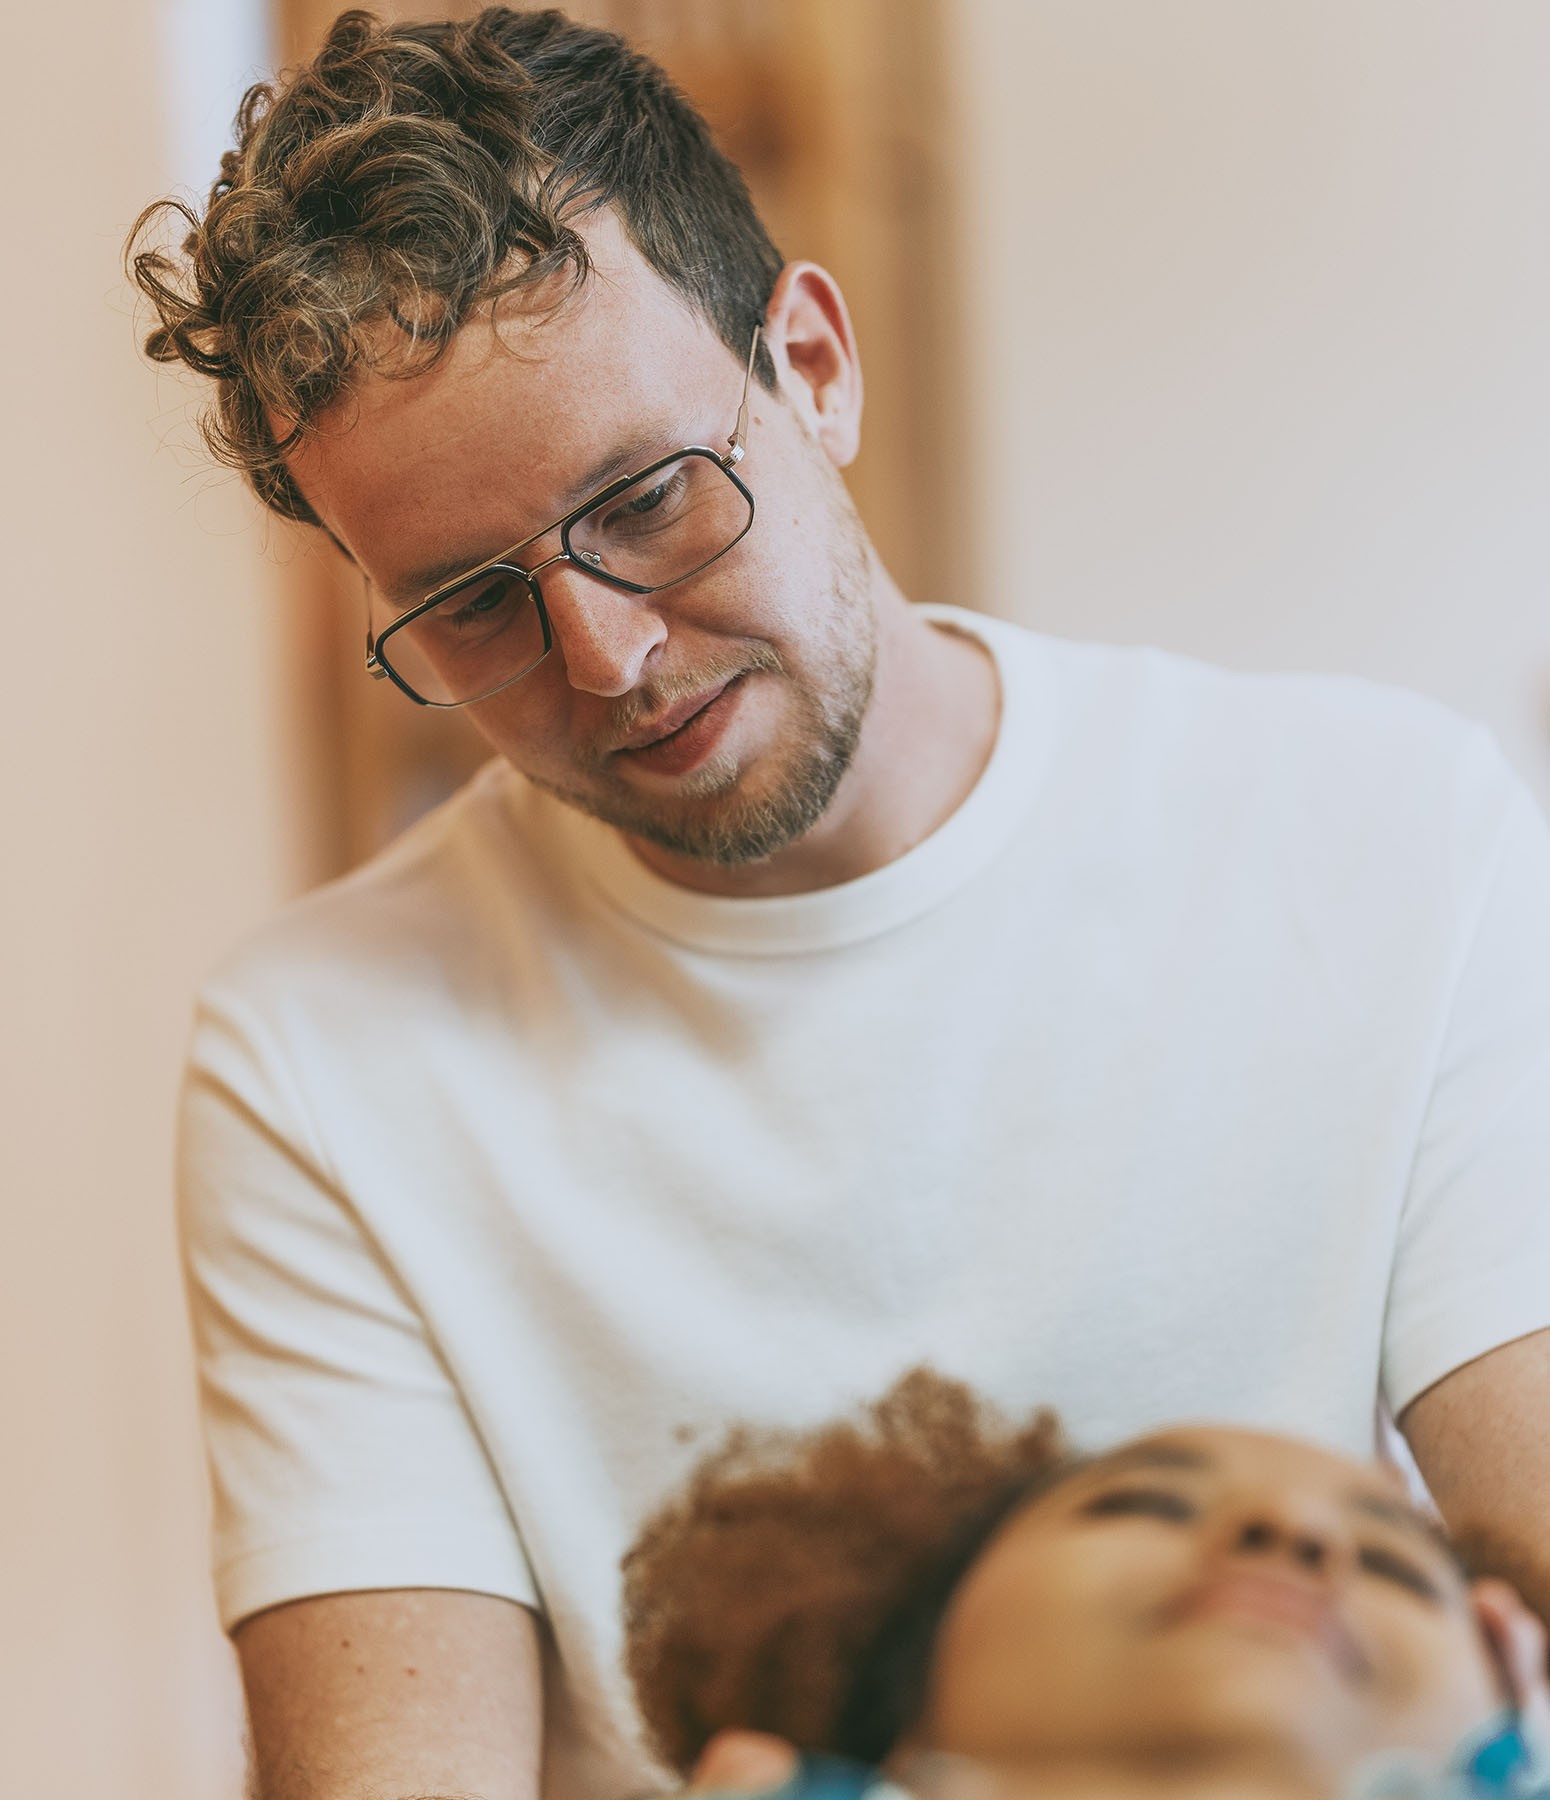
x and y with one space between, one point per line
471 869
1158 687
1340 752
1338 776
1306 729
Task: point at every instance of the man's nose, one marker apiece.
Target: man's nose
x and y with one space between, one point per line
604 637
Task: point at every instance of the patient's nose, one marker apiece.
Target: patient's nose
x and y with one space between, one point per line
1285 1524
1303 1544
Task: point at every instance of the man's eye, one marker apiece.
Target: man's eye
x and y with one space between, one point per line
647 502
1158 1502
480 605
1399 1569
661 501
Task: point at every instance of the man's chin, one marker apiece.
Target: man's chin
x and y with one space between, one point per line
757 795
717 814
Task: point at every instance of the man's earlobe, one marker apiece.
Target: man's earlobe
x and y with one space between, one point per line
814 346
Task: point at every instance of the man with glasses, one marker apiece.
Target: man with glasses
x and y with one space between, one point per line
813 985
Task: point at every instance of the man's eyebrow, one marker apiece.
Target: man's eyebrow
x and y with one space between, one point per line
621 460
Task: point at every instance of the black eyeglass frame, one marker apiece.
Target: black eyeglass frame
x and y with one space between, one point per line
379 666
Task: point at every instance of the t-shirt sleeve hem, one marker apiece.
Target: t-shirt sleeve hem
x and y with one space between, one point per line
441 1554
1436 1347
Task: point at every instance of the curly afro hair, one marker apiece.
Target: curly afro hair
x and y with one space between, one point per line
796 1584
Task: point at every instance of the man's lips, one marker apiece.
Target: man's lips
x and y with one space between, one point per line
1272 1599
682 739
675 718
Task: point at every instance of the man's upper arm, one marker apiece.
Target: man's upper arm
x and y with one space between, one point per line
1481 1439
1471 1267
343 1454
1466 1357
412 1692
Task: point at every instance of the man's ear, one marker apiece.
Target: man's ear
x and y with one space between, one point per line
808 331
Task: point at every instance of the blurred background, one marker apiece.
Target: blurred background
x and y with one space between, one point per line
1215 325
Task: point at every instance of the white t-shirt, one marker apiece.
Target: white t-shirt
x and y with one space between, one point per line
1197 1067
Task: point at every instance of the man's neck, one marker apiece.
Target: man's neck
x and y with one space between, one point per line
927 736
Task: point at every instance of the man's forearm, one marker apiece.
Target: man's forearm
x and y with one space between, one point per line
412 1692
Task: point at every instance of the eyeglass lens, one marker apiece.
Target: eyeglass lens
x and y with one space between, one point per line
483 635
671 522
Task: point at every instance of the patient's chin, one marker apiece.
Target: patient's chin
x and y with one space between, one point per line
1240 1681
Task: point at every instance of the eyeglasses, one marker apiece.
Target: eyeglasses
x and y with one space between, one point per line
485 629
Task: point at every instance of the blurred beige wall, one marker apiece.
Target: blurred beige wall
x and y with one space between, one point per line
1257 302
144 772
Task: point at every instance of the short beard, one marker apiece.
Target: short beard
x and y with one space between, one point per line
827 731
749 830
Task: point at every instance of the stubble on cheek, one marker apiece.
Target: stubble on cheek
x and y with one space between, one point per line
734 809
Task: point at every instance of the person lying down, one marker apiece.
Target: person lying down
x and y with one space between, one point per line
966 1606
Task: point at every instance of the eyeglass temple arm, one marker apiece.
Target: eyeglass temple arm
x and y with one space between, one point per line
741 430
373 667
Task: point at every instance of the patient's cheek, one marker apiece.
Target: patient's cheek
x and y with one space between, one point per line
1437 1682
993 1677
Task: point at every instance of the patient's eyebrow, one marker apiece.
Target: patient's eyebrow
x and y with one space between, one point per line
1400 1513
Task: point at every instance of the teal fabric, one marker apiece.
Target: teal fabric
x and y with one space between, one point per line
829 1778
1494 1764
1498 1766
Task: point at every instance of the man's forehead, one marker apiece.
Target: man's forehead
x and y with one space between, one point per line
561 344
447 465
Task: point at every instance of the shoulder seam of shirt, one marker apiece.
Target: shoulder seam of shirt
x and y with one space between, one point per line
1515 798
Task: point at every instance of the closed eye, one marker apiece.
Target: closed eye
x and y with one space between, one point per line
1159 1503
1398 1569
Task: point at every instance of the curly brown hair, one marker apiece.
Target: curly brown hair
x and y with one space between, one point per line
797 1583
409 174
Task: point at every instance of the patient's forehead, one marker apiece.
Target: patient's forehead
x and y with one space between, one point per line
1236 1451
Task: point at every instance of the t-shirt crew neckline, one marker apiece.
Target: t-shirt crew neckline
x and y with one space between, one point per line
886 898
